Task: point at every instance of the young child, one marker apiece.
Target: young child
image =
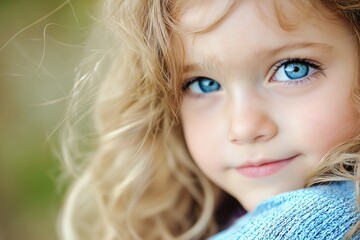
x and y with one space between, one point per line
233 118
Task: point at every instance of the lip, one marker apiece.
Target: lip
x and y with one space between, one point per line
264 168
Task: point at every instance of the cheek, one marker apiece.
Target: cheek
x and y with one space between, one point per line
325 127
198 145
202 137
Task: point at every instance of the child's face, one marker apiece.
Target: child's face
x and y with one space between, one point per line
264 104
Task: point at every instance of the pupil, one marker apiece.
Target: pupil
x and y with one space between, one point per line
208 85
296 70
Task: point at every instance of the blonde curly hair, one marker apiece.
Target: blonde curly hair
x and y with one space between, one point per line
134 177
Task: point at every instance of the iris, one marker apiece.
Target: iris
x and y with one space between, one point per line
296 70
203 85
208 85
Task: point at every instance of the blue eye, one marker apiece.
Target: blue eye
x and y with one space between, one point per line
294 70
203 85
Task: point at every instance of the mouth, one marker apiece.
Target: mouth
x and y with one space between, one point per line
264 168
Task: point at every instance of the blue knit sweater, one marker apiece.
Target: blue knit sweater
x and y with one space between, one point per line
320 212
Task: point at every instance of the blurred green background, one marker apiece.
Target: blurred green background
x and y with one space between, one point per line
36 72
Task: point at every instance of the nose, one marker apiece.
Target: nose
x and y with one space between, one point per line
250 122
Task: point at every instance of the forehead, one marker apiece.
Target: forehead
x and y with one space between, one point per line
268 24
252 33
205 14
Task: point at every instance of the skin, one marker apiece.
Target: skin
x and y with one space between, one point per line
258 115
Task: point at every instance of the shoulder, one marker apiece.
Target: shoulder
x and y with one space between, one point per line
320 212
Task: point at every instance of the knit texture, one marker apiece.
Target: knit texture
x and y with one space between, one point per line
319 212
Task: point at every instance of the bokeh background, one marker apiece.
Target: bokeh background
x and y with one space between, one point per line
41 43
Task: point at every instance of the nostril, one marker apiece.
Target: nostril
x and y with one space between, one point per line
242 134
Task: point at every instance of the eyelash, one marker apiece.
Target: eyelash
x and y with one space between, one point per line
318 69
186 85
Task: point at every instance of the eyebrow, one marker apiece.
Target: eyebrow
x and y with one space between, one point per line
213 64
